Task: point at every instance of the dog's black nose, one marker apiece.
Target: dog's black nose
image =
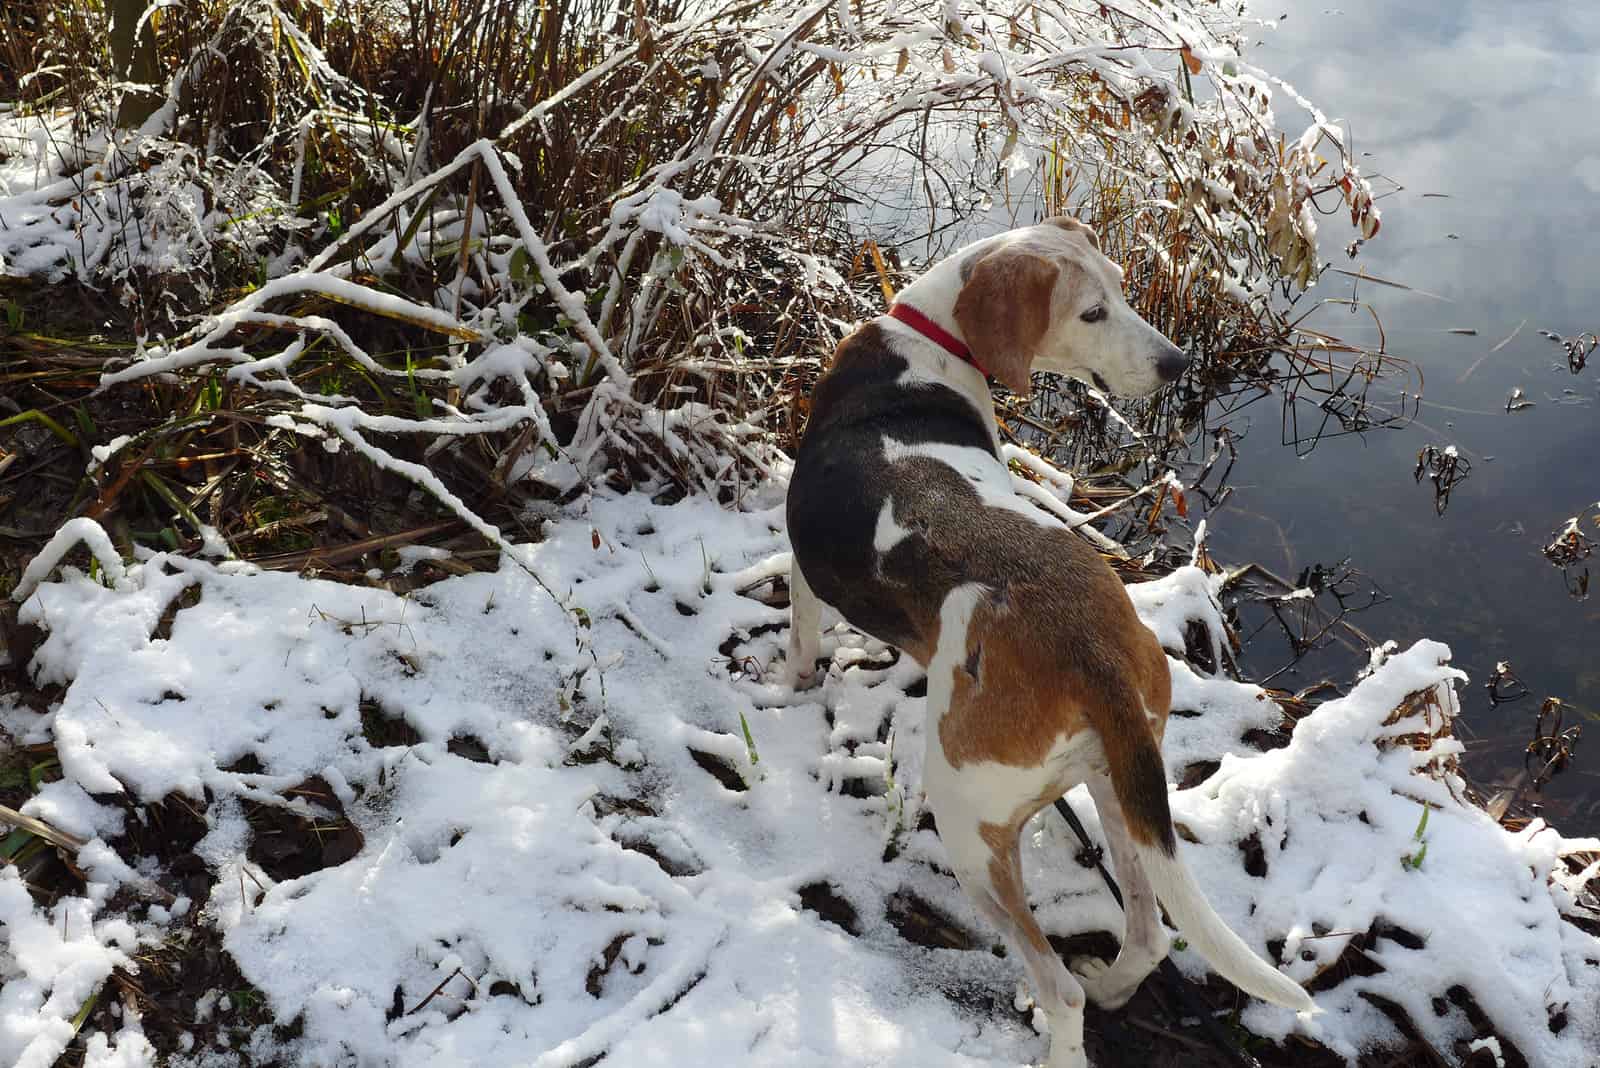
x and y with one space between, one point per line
1171 363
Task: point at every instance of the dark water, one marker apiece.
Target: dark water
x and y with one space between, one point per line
1492 104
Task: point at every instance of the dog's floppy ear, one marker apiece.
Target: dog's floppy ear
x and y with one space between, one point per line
1067 222
1004 310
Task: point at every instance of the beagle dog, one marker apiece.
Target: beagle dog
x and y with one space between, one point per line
1040 675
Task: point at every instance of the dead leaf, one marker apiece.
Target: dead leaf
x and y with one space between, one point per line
883 271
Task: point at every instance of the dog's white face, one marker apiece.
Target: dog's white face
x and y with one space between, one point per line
1046 298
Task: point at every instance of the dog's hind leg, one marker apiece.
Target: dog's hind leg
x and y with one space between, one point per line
1145 941
805 632
989 867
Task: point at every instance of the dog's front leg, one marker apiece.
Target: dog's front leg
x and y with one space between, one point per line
805 632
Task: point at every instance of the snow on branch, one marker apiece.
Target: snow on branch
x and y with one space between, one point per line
575 314
74 532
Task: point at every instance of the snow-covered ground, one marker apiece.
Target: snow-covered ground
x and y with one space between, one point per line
624 875
606 830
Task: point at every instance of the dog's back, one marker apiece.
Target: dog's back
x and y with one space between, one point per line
843 477
898 498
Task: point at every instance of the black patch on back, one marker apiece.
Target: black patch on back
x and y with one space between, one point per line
861 395
841 480
1035 568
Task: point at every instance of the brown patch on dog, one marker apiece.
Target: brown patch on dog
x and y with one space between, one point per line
1068 223
1012 711
1024 697
1027 696
1005 880
1132 739
1005 870
1152 677
1004 311
1139 779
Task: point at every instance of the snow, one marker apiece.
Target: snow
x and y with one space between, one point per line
67 807
664 211
102 453
593 889
53 961
412 555
1491 1044
65 206
72 533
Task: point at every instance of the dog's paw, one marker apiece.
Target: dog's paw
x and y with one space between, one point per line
801 675
1102 984
1062 1057
1089 969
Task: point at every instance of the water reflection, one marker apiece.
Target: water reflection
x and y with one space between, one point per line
1476 115
1488 105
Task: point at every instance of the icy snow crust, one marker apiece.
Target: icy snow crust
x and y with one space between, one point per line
600 891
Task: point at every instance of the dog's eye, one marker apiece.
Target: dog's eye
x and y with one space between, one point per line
1094 314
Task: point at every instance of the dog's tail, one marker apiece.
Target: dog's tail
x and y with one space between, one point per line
1140 782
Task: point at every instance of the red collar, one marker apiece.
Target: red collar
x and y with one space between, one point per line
935 333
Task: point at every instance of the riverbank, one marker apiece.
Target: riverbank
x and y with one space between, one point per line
475 821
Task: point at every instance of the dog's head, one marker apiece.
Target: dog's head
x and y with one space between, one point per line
1045 297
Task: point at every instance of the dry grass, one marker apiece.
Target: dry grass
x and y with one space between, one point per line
366 136
766 124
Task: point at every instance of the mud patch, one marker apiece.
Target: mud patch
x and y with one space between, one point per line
921 923
194 1001
288 845
167 832
467 747
824 900
721 769
383 728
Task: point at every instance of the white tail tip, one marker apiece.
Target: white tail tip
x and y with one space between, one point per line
1211 938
